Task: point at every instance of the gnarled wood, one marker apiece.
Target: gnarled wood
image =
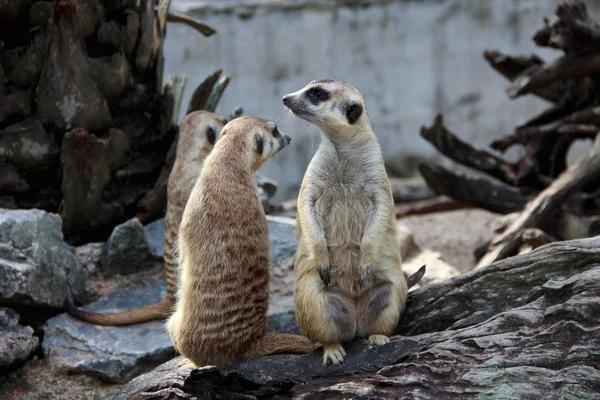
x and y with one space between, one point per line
547 203
520 326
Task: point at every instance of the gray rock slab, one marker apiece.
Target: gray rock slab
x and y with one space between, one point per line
36 266
112 353
16 342
155 234
117 354
282 234
127 250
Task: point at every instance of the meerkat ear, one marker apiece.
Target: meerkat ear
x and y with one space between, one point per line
259 142
353 112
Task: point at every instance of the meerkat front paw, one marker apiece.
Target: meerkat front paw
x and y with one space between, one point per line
334 353
324 271
378 340
364 274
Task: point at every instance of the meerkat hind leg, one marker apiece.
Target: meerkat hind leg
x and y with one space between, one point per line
382 309
329 318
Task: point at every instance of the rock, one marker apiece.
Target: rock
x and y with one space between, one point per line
127 250
114 354
469 228
40 12
23 65
15 106
266 190
117 354
282 234
11 9
112 74
87 163
121 37
155 234
66 95
525 327
406 240
16 342
36 266
27 145
90 256
11 179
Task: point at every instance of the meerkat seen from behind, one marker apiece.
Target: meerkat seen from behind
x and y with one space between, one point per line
222 302
349 280
198 133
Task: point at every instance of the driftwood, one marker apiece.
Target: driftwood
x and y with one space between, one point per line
584 171
476 190
525 327
540 187
436 204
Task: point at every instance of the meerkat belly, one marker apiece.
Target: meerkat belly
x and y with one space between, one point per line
344 211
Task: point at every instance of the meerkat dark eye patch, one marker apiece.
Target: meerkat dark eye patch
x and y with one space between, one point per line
211 135
259 142
317 95
276 132
353 112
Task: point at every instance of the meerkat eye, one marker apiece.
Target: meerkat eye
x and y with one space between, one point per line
276 132
211 135
317 93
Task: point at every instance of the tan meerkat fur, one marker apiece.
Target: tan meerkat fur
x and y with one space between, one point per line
349 280
198 133
221 312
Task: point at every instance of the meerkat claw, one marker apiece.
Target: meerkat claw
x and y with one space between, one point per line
363 275
325 274
333 354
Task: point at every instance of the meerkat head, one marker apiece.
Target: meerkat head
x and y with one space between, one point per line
198 134
262 138
334 106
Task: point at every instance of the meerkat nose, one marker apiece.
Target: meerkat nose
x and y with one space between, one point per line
287 139
286 99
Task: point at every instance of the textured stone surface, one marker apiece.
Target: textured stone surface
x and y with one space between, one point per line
127 250
16 341
523 328
155 234
36 266
114 354
282 234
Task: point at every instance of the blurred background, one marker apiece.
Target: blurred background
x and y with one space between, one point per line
411 59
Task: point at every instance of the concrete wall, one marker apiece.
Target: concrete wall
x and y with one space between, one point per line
410 59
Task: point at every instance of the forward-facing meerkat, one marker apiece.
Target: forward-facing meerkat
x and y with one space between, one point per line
198 133
349 280
221 312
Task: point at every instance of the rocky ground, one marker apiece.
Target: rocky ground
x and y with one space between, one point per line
78 360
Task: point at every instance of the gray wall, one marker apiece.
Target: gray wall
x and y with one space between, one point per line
410 59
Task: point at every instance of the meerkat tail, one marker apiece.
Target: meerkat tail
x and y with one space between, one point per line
158 310
416 277
273 343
